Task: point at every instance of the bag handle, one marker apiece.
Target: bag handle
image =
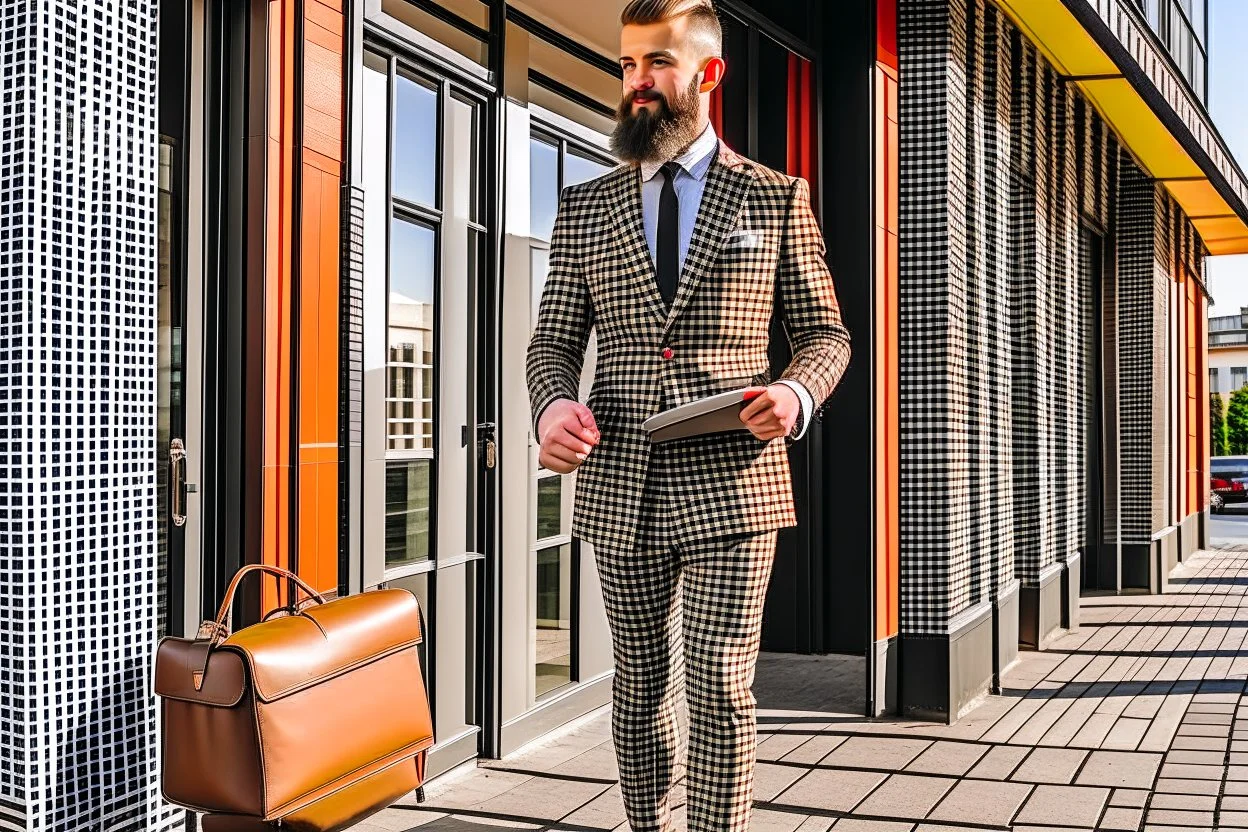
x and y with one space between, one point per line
213 632
219 629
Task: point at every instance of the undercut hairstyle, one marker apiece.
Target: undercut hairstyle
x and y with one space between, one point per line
704 27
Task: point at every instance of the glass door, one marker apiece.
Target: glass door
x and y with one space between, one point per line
424 245
178 333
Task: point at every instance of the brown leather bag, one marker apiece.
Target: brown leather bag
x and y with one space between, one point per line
316 718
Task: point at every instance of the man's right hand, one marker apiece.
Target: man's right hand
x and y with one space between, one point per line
568 433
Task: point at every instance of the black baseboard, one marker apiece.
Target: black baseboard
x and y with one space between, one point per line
942 675
1138 568
1040 608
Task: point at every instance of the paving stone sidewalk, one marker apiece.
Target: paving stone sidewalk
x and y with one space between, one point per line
1136 721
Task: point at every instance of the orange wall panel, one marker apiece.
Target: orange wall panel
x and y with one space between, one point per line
303 170
322 155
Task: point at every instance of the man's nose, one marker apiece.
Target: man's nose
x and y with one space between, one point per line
640 81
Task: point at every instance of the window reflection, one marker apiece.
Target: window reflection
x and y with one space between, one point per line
415 152
549 507
553 627
408 488
539 267
543 188
409 399
578 169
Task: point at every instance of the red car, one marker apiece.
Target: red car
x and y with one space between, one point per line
1228 476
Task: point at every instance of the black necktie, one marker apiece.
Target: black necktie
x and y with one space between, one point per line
668 242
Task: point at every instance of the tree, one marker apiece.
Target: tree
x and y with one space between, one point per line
1237 421
1219 441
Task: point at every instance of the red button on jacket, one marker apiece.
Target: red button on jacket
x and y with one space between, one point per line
667 353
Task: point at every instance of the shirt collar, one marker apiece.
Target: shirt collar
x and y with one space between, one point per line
696 160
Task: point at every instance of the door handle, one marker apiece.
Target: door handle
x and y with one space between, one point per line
177 482
489 446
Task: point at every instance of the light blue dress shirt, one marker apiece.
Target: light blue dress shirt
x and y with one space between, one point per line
690 184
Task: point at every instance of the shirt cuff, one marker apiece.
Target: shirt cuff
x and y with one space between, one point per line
808 403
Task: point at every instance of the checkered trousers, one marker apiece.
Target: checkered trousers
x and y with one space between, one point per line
755 229
686 619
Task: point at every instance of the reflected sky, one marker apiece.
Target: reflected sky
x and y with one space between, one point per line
415 142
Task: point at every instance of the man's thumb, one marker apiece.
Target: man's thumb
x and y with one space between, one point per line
586 416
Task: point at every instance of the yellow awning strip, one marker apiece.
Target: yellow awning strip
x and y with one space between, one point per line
1073 51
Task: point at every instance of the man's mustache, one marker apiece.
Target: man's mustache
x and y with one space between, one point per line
646 96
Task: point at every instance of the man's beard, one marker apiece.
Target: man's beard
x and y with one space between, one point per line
642 136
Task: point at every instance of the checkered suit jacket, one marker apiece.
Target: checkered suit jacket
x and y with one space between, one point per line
755 227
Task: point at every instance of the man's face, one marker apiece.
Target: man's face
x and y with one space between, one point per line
661 108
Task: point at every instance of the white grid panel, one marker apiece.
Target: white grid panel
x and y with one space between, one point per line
77 435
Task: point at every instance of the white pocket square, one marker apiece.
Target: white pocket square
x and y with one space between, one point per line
744 239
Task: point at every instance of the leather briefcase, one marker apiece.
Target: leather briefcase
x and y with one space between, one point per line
313 719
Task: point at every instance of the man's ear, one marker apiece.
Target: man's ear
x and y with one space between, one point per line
712 74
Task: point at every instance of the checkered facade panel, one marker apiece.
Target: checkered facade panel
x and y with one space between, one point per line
930 445
1141 318
78 572
1002 164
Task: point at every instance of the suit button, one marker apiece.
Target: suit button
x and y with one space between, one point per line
667 353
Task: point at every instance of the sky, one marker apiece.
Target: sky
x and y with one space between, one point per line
1228 64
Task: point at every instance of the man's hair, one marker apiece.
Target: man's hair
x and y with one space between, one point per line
704 27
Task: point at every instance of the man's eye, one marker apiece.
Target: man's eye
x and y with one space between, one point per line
660 62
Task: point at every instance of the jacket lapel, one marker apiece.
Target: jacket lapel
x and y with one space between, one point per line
723 200
623 192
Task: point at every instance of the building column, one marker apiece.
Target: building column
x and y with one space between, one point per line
958 608
78 293
1052 353
1146 543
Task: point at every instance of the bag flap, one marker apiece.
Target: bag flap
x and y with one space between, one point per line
292 652
179 660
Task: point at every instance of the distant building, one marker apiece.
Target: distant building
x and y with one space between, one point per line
1228 353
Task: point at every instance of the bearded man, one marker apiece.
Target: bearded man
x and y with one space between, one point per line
677 258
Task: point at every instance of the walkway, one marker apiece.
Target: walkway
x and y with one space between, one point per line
1137 721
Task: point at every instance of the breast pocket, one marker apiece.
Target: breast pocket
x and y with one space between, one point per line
749 250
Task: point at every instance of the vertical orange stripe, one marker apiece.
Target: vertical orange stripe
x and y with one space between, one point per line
887 463
278 294
322 152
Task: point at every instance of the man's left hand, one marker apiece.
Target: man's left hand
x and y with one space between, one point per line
773 413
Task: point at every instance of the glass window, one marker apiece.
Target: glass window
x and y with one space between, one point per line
549 507
411 336
578 169
409 486
543 188
553 555
1213 380
539 267
1239 377
553 626
415 152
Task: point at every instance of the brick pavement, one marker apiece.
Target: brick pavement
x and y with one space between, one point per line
1136 721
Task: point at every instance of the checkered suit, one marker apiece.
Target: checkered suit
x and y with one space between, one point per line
601 275
701 511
